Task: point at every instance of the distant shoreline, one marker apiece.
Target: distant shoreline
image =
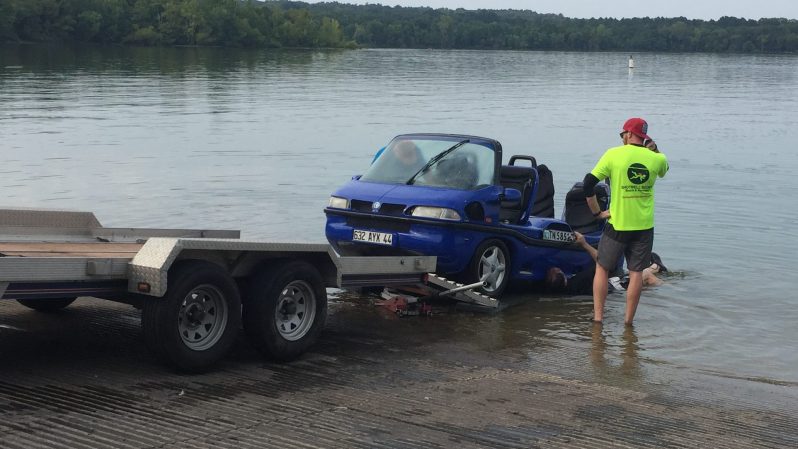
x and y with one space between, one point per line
299 25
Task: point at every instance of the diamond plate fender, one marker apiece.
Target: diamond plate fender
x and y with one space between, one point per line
151 264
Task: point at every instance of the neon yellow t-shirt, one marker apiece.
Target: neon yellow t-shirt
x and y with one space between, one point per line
632 171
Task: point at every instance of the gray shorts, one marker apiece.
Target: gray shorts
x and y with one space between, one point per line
635 245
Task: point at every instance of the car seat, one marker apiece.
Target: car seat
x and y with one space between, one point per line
577 213
459 172
544 196
524 179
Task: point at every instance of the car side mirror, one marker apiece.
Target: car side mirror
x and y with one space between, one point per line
511 197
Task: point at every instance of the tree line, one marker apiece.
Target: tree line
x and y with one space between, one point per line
230 23
251 23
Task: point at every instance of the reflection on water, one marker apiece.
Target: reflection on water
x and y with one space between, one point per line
256 140
601 358
66 60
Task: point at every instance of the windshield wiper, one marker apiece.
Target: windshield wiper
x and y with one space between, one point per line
435 160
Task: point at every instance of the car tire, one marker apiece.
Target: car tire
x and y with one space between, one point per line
491 264
286 310
47 305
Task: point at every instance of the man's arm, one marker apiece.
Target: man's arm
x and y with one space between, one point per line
580 239
588 186
651 145
664 168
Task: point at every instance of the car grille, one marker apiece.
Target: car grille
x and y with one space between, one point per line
377 223
385 208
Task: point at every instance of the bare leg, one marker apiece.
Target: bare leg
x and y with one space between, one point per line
599 292
650 279
632 295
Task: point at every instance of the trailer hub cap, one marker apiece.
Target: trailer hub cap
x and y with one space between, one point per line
202 317
195 315
296 310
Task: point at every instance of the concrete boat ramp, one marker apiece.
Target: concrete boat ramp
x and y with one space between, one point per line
81 379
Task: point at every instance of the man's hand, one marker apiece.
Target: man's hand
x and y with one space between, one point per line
605 214
580 240
651 145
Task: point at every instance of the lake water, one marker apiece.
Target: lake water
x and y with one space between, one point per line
256 140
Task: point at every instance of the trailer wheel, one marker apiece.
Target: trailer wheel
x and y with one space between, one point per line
491 264
46 305
286 310
196 322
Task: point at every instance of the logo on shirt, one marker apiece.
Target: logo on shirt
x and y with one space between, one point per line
637 173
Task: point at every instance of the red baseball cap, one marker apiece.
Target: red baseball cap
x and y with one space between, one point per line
638 127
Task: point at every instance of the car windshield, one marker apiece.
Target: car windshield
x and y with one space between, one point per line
453 163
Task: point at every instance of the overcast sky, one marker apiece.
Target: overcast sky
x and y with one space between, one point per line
692 9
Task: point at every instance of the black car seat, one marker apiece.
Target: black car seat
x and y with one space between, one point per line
577 214
523 179
458 171
544 196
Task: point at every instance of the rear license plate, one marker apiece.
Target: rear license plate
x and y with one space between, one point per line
381 238
558 236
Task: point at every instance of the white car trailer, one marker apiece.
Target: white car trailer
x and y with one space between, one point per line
196 288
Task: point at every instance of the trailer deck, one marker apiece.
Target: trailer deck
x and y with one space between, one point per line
54 249
195 287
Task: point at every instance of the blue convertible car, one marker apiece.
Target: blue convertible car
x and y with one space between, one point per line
450 196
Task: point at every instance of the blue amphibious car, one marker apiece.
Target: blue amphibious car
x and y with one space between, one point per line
450 196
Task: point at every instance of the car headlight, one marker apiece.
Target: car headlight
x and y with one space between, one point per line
339 203
442 213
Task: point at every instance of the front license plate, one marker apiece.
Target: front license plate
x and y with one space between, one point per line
558 236
381 238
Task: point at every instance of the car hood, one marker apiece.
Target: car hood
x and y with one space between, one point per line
407 195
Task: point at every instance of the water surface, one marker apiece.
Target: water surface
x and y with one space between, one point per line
256 140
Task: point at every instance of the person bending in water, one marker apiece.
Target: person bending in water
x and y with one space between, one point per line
581 283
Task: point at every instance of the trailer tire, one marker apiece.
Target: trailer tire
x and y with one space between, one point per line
194 325
47 305
286 310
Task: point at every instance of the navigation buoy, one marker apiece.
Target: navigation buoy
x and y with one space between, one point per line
631 62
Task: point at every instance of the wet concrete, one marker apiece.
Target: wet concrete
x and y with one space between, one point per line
533 375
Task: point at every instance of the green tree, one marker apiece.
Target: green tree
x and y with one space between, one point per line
181 21
330 34
8 16
39 20
88 25
298 28
445 31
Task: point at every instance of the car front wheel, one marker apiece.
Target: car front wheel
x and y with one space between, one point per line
491 265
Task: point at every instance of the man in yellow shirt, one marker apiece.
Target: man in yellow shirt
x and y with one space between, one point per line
632 169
